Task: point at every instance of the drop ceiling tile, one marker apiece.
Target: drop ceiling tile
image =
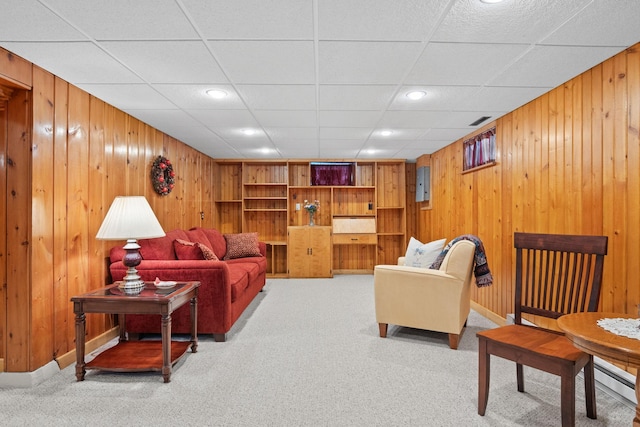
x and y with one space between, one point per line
258 152
291 133
225 118
396 135
512 21
127 20
84 62
218 151
49 26
499 98
279 97
366 62
129 96
463 119
280 118
360 134
301 153
411 154
245 19
192 134
418 148
413 119
372 152
470 64
400 20
339 149
266 62
355 97
348 118
194 96
173 118
299 143
168 61
234 134
436 98
542 66
440 135
617 25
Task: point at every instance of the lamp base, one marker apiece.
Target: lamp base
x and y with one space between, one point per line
132 284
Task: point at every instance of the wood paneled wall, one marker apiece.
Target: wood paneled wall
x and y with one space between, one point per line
569 162
70 154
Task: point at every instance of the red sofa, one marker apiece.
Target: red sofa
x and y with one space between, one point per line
227 286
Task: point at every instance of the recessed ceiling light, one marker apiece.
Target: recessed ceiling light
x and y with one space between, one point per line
249 132
217 93
385 132
416 94
491 1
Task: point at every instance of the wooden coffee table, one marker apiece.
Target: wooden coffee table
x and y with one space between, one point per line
137 356
582 329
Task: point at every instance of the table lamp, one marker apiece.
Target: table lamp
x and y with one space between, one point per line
130 218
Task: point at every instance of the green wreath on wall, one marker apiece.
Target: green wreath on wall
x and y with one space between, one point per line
162 176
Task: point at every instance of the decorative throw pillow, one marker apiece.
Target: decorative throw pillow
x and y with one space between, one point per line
423 254
207 252
242 245
187 250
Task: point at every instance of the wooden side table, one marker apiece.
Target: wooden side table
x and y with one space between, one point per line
137 356
584 332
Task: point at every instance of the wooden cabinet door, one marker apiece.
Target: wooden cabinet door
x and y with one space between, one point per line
320 256
297 248
309 251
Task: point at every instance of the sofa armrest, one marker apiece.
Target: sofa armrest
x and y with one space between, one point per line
210 274
262 247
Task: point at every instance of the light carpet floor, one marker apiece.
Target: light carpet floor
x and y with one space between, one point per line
307 353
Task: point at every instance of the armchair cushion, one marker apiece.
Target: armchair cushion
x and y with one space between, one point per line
423 254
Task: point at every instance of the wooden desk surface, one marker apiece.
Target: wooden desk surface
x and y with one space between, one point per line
583 331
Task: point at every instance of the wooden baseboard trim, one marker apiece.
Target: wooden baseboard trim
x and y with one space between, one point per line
70 357
500 321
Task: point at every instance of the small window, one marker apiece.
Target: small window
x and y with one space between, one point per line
332 173
480 150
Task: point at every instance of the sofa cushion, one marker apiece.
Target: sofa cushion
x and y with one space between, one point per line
251 268
423 254
241 245
161 247
239 279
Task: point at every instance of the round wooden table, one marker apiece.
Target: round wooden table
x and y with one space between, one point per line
584 332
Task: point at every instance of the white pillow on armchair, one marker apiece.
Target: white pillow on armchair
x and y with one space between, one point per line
423 254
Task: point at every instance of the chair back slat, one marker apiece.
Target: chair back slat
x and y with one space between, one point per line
557 274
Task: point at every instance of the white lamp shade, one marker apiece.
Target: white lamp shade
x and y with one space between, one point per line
130 217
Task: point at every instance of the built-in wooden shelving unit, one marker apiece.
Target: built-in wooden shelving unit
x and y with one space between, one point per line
268 197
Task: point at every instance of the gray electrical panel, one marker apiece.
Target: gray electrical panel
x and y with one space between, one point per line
423 184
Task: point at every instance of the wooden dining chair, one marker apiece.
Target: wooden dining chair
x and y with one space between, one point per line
556 274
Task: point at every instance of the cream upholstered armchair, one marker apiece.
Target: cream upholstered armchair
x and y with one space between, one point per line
435 300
